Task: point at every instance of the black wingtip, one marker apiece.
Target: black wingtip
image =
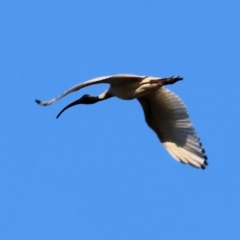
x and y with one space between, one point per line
38 101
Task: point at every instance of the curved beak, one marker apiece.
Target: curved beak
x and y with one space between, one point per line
87 99
70 105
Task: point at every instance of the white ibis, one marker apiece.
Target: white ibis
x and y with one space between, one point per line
164 112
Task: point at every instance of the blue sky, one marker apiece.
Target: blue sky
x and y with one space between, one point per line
98 172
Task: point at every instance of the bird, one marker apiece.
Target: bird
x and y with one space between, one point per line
164 111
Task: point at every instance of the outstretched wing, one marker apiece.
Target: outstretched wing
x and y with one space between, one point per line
166 114
105 79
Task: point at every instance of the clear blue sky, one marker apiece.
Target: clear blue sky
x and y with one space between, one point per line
99 172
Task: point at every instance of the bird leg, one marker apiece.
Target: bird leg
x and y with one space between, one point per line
166 81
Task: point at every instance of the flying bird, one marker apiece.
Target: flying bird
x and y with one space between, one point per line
164 112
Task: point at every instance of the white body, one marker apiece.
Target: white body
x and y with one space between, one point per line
164 112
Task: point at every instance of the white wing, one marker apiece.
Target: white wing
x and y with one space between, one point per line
166 114
104 79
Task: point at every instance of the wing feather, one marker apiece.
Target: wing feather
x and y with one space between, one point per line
166 114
